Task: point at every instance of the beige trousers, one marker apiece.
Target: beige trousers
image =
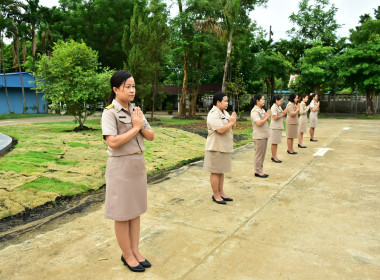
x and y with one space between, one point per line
260 150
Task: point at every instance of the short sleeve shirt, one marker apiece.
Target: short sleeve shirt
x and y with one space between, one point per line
276 111
313 104
259 131
217 119
303 109
117 120
291 109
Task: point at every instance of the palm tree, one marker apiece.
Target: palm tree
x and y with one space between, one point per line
233 13
7 9
16 30
33 18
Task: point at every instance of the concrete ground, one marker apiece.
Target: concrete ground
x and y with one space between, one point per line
315 217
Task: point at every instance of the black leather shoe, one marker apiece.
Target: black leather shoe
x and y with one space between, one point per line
300 146
227 198
313 140
276 161
261 176
294 153
146 263
138 268
219 202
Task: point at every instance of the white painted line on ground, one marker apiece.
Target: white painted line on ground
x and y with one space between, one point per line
321 152
346 128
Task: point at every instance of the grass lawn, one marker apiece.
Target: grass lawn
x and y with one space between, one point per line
21 116
51 160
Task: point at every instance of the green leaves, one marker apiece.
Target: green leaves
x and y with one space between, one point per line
70 78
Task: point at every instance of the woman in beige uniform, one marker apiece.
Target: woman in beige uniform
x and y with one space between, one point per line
219 145
276 125
314 108
292 122
124 128
260 134
302 120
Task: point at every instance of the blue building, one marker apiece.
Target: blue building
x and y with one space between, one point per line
15 93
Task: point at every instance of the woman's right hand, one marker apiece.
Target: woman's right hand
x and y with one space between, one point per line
137 118
232 118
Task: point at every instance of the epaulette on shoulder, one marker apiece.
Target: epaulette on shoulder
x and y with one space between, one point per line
109 106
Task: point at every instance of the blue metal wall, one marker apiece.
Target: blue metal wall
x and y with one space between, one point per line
15 100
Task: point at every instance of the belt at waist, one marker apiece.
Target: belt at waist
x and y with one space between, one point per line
303 114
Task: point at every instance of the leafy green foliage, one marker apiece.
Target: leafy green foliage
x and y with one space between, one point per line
70 77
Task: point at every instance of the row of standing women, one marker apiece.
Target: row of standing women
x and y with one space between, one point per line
219 143
124 128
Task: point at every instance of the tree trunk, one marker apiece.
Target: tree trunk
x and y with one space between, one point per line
22 85
229 50
269 98
153 95
370 96
317 89
5 78
34 66
193 104
182 108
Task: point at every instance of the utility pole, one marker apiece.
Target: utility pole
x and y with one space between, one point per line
270 32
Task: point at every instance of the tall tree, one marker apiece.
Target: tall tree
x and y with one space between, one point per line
234 20
359 63
33 18
316 67
7 9
315 22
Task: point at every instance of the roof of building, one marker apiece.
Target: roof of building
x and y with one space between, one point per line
13 80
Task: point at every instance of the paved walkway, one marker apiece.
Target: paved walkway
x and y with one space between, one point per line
315 217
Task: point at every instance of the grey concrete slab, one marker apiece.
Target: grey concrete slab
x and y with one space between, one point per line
5 143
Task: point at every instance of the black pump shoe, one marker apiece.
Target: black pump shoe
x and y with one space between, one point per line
300 146
219 202
294 153
261 176
146 263
313 140
227 198
138 268
276 161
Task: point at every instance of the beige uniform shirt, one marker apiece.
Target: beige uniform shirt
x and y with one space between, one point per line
276 111
313 104
117 120
218 142
291 109
303 109
259 131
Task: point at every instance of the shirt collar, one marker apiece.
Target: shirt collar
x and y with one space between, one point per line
118 107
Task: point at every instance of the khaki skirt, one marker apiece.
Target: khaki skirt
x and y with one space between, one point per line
126 187
313 120
291 131
302 124
276 136
217 162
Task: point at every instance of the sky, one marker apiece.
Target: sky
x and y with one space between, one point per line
277 12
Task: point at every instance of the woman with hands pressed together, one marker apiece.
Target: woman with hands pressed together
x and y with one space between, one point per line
302 120
219 145
292 122
276 125
260 134
314 109
124 128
